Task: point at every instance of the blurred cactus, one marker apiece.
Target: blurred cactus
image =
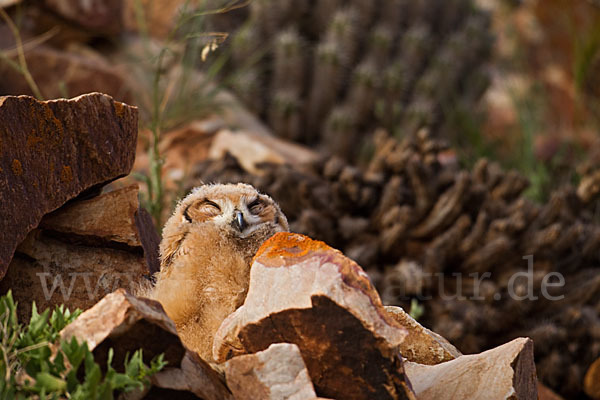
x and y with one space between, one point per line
396 64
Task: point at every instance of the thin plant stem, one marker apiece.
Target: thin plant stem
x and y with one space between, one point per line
159 100
21 55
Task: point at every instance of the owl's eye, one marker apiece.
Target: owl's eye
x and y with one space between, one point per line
201 211
256 206
211 204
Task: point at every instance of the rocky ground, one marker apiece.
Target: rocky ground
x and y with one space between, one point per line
429 233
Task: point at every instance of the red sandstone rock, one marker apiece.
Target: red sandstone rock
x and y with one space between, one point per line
306 293
53 151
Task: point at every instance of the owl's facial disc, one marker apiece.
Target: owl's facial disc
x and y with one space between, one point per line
241 213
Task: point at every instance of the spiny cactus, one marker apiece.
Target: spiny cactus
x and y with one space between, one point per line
397 64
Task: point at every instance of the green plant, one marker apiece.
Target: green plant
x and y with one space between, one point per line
416 309
34 362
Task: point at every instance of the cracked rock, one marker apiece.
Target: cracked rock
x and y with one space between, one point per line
84 250
306 293
52 152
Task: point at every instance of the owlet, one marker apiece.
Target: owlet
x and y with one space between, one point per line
206 251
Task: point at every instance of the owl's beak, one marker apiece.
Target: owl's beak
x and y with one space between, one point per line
239 222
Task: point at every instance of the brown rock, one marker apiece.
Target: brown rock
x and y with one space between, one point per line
60 73
84 251
127 323
115 218
506 372
591 382
421 345
51 152
304 292
109 217
276 373
101 16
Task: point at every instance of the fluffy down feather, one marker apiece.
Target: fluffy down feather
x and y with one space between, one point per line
206 252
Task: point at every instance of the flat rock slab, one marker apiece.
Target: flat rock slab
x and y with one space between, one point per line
277 373
53 151
114 218
83 251
505 372
252 149
306 293
127 323
422 345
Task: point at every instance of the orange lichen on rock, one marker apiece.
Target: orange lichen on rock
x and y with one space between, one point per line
32 140
51 117
66 175
119 109
304 292
17 168
289 245
285 249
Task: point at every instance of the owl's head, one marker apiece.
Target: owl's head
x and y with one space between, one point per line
238 208
238 211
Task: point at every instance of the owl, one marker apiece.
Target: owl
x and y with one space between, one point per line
206 252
